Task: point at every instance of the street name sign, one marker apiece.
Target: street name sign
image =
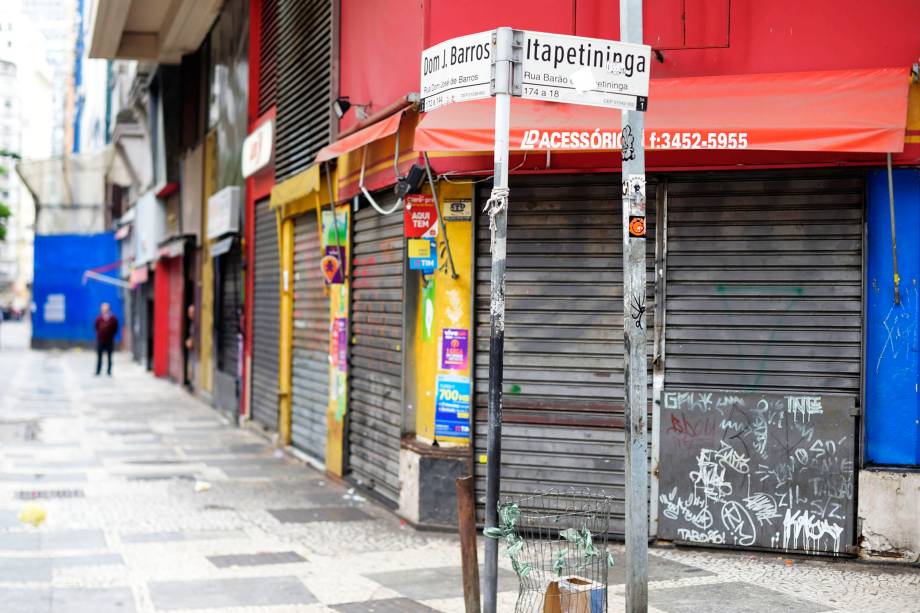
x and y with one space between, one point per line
589 71
457 70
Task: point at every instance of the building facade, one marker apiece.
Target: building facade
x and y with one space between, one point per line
783 400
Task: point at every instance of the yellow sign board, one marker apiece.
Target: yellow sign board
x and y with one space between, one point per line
419 248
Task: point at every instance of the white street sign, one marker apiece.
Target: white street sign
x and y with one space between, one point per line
590 71
457 70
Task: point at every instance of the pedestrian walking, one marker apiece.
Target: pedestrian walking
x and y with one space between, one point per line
106 329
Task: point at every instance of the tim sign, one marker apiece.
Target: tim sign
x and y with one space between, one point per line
420 218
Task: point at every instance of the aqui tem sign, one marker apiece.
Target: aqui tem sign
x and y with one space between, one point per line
590 71
457 70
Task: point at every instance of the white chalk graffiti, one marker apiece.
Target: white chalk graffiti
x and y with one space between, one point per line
810 529
804 406
738 523
712 537
689 401
763 506
901 329
760 461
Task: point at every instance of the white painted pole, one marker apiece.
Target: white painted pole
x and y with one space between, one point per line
635 357
498 222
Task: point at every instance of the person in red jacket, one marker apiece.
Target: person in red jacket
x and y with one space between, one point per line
106 329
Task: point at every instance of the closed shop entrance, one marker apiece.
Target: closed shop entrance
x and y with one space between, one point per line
762 359
310 372
265 316
563 387
375 383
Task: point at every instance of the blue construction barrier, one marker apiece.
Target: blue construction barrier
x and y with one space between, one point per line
64 302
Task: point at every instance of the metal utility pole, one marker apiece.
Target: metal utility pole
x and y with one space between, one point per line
497 207
636 374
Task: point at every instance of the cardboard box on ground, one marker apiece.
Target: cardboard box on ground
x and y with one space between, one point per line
574 594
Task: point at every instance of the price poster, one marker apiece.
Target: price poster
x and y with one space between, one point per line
454 349
452 408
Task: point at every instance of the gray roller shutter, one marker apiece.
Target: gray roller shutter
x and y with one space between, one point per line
765 282
764 296
563 391
228 315
375 392
304 83
265 315
310 375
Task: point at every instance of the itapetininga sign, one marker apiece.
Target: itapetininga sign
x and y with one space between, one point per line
589 71
548 67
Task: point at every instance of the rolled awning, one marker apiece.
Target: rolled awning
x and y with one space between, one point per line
827 111
365 136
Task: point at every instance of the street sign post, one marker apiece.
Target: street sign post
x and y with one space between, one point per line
634 332
573 70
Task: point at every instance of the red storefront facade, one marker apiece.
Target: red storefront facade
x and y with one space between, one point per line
713 50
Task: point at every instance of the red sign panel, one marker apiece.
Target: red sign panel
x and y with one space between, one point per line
420 218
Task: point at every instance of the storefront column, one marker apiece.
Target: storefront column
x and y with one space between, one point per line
285 340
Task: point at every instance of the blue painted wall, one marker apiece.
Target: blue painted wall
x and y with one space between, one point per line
892 335
60 261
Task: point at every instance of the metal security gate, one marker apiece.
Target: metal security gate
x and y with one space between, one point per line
303 82
230 282
563 388
265 315
765 282
310 377
764 300
375 384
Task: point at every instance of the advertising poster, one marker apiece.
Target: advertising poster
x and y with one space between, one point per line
454 349
419 260
452 408
334 252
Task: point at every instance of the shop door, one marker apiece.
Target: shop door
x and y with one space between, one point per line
375 384
563 388
265 316
176 316
762 360
227 337
310 373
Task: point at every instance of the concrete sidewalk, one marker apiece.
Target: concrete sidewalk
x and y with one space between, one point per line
115 463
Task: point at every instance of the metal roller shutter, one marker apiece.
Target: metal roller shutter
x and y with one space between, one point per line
265 315
375 385
765 282
228 324
563 391
303 84
310 377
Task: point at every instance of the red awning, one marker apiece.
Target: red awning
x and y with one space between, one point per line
364 136
828 111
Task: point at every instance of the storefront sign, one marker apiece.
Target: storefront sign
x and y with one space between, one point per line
339 339
457 70
257 149
590 71
331 265
338 356
335 238
452 407
224 212
458 210
419 259
454 349
420 217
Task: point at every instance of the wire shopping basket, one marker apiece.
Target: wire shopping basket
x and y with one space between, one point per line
557 543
